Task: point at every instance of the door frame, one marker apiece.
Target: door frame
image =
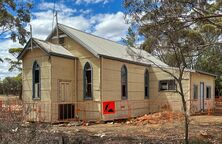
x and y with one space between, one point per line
202 98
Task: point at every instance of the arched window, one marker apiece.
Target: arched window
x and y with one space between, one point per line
124 93
146 84
88 79
35 81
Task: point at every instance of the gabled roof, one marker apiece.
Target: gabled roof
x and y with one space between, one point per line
103 47
202 72
49 48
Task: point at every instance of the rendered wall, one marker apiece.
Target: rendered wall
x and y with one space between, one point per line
87 109
111 89
208 80
169 99
136 104
36 109
107 87
63 70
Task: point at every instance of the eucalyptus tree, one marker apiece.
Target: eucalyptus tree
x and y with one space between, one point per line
172 31
14 18
16 65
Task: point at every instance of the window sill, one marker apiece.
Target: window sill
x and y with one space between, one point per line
88 98
36 99
124 98
167 91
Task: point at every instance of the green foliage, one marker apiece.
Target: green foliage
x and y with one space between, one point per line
179 32
14 16
14 64
219 86
15 51
11 85
176 31
210 60
183 34
130 38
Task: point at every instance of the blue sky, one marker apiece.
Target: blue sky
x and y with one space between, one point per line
104 18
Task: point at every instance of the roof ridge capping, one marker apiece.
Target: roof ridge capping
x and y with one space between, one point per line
100 46
91 34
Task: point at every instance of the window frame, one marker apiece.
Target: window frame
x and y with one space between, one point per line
208 97
85 97
146 85
126 82
167 82
34 66
195 97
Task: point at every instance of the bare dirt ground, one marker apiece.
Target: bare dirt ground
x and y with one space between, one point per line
203 129
156 128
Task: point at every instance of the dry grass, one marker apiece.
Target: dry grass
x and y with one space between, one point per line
116 132
168 129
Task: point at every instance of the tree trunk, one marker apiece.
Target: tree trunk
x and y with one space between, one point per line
186 120
186 129
20 93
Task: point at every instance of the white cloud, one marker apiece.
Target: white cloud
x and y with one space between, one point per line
5 45
43 23
87 11
92 1
110 26
43 20
59 7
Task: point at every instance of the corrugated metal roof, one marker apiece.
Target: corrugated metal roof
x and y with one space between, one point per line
53 48
104 47
49 48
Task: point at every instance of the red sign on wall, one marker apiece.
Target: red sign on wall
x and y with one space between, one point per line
109 107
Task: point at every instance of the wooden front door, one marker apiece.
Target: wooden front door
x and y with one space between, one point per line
64 91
